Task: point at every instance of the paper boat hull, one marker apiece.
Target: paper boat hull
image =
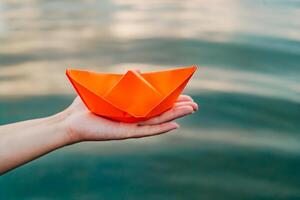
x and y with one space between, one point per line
131 97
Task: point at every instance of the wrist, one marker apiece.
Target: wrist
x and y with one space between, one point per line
64 124
62 127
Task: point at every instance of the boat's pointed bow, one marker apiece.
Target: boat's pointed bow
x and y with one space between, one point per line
168 80
170 83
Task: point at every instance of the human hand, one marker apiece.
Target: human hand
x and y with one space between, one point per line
24 141
82 125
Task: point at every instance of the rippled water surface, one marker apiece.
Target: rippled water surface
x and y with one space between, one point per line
244 143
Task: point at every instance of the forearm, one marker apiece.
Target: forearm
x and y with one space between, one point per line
24 141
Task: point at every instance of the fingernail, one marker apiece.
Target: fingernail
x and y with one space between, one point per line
197 107
176 126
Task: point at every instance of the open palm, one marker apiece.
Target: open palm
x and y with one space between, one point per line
82 125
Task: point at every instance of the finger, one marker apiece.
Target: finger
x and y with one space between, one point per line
194 105
151 130
184 98
174 113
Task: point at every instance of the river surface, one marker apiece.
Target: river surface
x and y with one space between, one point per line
244 143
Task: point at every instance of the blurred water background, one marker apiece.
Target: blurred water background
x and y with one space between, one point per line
244 143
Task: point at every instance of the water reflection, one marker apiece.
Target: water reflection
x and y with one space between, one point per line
39 39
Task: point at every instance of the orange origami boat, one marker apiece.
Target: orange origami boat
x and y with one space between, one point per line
130 97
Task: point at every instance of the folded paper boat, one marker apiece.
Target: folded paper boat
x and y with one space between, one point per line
130 97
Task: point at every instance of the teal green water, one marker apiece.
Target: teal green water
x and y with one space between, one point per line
244 143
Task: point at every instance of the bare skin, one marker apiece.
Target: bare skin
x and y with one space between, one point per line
25 141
